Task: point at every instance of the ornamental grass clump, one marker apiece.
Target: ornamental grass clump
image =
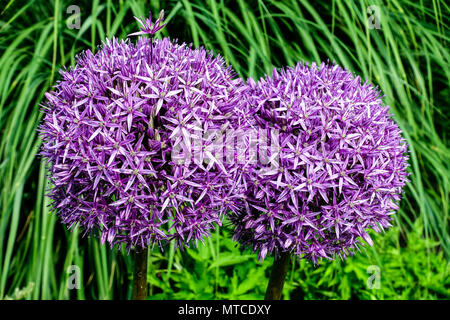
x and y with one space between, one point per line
112 133
337 172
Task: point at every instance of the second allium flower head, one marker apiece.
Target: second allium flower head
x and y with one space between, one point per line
337 170
109 130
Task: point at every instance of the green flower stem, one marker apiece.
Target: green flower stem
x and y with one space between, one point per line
140 275
276 282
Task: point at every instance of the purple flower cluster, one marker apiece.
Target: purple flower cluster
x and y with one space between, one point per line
133 135
109 130
338 169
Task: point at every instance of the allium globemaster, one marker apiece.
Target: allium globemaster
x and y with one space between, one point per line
110 128
338 170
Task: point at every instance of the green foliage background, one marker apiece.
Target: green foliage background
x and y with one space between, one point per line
407 57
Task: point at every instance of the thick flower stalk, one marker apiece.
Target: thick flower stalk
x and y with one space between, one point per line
337 170
112 133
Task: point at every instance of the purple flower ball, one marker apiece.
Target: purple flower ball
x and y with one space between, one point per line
111 129
337 167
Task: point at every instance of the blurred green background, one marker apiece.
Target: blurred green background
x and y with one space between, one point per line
407 57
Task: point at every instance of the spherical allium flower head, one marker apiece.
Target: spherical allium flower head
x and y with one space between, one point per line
112 133
337 167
